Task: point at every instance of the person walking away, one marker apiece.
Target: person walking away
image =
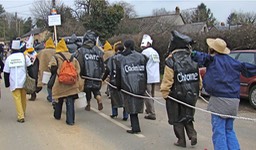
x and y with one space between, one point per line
222 82
131 76
1 50
32 54
62 91
108 52
90 58
1 70
117 97
44 57
15 76
179 66
72 44
153 74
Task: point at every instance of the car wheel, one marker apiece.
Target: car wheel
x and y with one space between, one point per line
252 96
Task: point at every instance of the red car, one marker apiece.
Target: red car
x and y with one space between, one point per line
247 85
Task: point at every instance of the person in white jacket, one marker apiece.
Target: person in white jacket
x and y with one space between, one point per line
153 74
15 76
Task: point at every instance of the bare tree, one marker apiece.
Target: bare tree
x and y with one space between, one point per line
187 14
128 9
246 18
159 12
69 23
83 5
41 10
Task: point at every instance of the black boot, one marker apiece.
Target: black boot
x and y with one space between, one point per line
33 97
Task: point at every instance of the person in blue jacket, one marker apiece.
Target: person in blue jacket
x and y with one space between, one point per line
222 82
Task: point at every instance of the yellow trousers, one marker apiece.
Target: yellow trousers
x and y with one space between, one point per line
20 100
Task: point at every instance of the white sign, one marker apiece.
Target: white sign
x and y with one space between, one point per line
16 61
54 20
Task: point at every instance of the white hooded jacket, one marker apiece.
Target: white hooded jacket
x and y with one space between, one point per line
152 67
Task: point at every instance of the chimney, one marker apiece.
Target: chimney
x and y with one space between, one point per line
222 24
177 10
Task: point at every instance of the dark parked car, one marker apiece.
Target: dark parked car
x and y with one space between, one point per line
247 85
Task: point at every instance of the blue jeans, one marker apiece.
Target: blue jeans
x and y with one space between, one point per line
224 136
49 97
115 112
70 110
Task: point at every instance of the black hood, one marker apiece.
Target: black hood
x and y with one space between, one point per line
89 37
179 41
73 39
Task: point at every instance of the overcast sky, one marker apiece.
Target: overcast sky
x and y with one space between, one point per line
220 8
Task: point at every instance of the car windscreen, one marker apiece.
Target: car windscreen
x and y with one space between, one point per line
247 57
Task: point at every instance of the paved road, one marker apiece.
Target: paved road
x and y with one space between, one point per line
95 130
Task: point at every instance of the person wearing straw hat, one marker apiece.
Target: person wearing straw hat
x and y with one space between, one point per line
153 74
181 80
222 82
32 54
61 91
15 76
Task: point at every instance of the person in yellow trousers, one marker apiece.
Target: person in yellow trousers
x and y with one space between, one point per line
15 76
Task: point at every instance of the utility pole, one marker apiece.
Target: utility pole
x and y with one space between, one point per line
55 30
16 23
53 4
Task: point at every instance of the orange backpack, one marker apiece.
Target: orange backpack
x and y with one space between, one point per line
67 74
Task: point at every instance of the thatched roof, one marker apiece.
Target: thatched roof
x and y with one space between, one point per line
199 27
158 23
33 31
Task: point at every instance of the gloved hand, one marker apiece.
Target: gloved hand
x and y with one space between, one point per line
193 53
118 88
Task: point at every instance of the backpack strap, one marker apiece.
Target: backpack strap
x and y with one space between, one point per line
62 56
56 60
70 60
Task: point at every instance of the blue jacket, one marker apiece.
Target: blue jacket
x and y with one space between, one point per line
222 77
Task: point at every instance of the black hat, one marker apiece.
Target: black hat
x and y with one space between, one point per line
179 41
129 44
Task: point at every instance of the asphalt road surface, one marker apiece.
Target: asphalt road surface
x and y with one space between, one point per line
95 130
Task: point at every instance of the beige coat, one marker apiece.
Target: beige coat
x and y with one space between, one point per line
44 57
61 90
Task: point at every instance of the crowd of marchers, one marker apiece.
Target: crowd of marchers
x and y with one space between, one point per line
82 67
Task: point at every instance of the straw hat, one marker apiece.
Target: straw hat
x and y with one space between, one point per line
218 45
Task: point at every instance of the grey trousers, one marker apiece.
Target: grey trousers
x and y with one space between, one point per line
149 103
